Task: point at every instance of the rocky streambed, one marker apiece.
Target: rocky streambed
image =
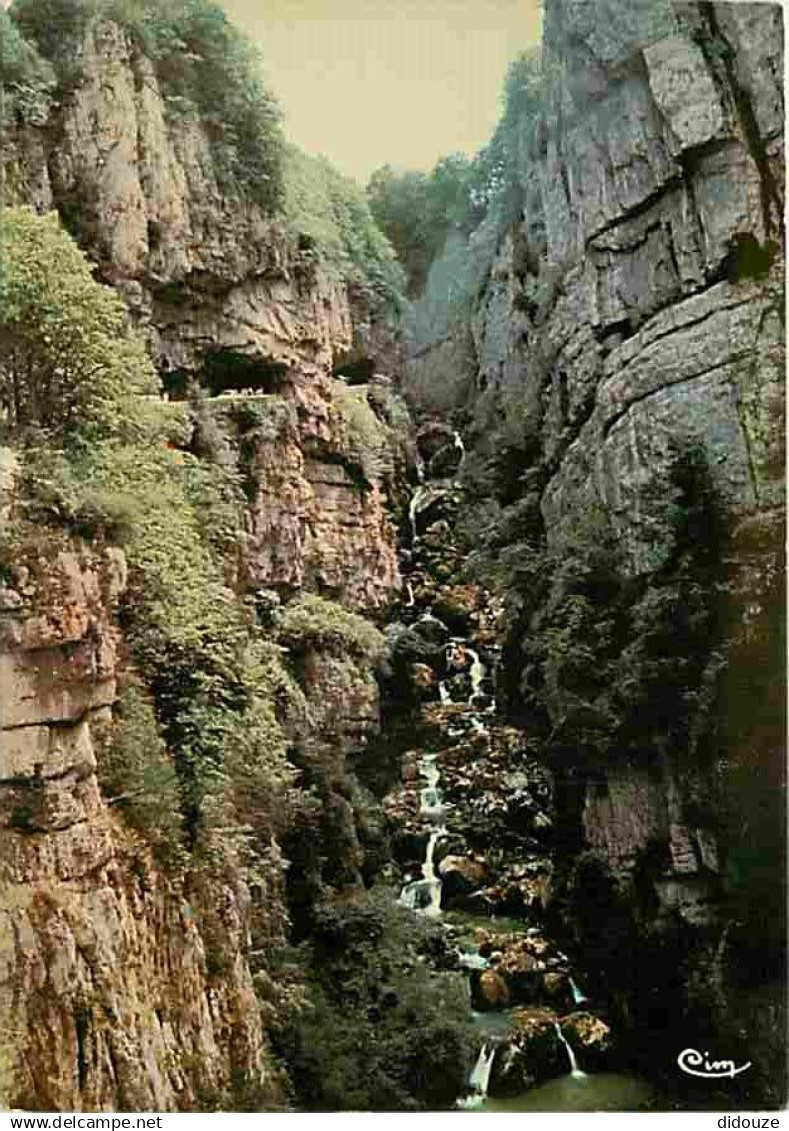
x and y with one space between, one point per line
472 825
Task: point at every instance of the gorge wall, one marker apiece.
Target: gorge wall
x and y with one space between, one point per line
610 540
625 367
126 984
634 308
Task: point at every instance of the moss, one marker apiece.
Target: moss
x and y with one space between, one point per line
312 622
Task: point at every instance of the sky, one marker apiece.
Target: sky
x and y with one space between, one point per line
369 82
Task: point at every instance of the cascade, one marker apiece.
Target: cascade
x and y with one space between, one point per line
575 1071
413 509
479 1080
424 895
443 694
477 671
579 998
461 447
410 591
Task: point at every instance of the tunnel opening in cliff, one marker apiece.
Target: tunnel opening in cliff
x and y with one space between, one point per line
355 370
229 371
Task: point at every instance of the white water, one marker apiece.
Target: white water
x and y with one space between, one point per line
461 447
579 997
424 895
479 1080
412 515
409 590
477 671
443 694
575 1071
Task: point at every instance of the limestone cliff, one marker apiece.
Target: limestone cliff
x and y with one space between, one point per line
636 308
202 269
126 984
109 1001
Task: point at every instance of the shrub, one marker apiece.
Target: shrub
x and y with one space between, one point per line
312 622
380 1031
69 364
330 215
27 80
136 773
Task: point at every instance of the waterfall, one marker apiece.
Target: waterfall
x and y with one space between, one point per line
575 1071
424 895
479 1080
412 516
477 671
410 591
579 998
443 694
461 447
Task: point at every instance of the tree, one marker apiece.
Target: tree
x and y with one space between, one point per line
69 364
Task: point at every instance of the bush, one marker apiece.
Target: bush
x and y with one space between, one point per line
69 364
330 216
137 775
27 80
312 622
380 1031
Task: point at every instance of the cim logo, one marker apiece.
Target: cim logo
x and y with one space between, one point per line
698 1064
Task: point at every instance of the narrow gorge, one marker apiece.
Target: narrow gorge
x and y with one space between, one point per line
392 689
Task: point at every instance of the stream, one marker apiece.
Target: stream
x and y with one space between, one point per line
466 708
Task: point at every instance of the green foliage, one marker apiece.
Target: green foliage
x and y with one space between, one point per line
380 1031
366 435
136 773
416 211
312 622
609 661
69 364
26 80
330 215
206 67
500 168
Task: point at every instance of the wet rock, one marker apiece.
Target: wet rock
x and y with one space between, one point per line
590 1038
556 987
458 604
532 1054
432 437
438 534
460 875
431 629
490 992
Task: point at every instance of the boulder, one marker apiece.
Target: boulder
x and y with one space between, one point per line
489 991
457 604
591 1039
423 680
432 438
533 1053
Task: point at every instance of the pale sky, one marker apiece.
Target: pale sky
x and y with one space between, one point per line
400 81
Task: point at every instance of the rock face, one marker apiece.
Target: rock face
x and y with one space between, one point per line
635 311
312 524
108 1000
198 267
